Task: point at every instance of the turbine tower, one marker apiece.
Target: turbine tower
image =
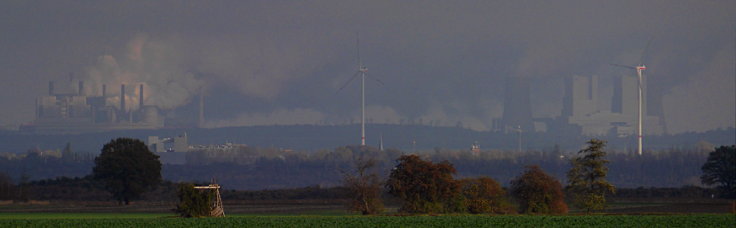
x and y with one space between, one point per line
362 72
640 75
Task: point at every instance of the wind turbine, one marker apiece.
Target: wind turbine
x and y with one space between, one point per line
640 74
362 72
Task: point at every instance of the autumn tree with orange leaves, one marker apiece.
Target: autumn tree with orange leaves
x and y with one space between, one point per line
423 186
483 195
538 193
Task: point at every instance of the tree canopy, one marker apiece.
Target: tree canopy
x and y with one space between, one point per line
538 193
127 168
485 195
586 179
423 186
720 170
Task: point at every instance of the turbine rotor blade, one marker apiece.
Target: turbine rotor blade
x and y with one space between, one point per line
357 45
644 52
349 81
376 79
624 66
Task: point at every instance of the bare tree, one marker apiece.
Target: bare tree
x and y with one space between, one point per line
365 187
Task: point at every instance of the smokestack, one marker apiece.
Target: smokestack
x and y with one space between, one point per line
201 110
140 100
51 88
122 97
81 88
104 90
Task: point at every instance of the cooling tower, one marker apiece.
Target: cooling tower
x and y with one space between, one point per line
517 111
201 110
140 99
122 97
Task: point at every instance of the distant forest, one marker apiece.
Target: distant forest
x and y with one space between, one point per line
270 168
405 137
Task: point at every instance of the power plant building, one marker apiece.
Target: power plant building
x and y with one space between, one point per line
581 108
67 109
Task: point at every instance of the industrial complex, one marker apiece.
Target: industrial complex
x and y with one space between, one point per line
177 151
67 109
582 109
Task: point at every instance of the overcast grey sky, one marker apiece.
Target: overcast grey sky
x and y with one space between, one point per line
264 62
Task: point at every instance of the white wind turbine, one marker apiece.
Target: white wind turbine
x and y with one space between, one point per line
640 74
362 72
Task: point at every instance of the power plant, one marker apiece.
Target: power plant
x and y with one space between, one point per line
69 110
581 108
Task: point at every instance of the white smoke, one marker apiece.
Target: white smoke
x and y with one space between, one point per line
157 65
707 101
277 117
262 66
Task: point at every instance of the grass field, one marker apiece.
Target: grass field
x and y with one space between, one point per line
168 220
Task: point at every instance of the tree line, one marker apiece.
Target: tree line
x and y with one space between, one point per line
276 169
126 169
427 187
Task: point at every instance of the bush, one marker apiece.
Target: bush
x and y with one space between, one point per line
538 193
192 202
484 195
423 186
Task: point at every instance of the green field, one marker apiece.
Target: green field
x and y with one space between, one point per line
168 220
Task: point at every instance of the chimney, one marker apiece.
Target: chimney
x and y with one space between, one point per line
81 88
201 110
104 90
51 88
122 97
140 100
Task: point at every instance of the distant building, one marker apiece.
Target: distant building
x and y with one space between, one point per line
223 153
581 108
170 150
177 151
69 110
475 148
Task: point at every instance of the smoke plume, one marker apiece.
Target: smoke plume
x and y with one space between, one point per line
157 65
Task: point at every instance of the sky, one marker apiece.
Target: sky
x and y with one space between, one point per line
444 62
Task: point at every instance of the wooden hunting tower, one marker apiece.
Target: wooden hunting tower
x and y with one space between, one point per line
216 209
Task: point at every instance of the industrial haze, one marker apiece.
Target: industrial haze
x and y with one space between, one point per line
497 67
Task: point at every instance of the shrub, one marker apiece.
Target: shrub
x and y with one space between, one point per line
192 202
538 193
423 186
485 195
